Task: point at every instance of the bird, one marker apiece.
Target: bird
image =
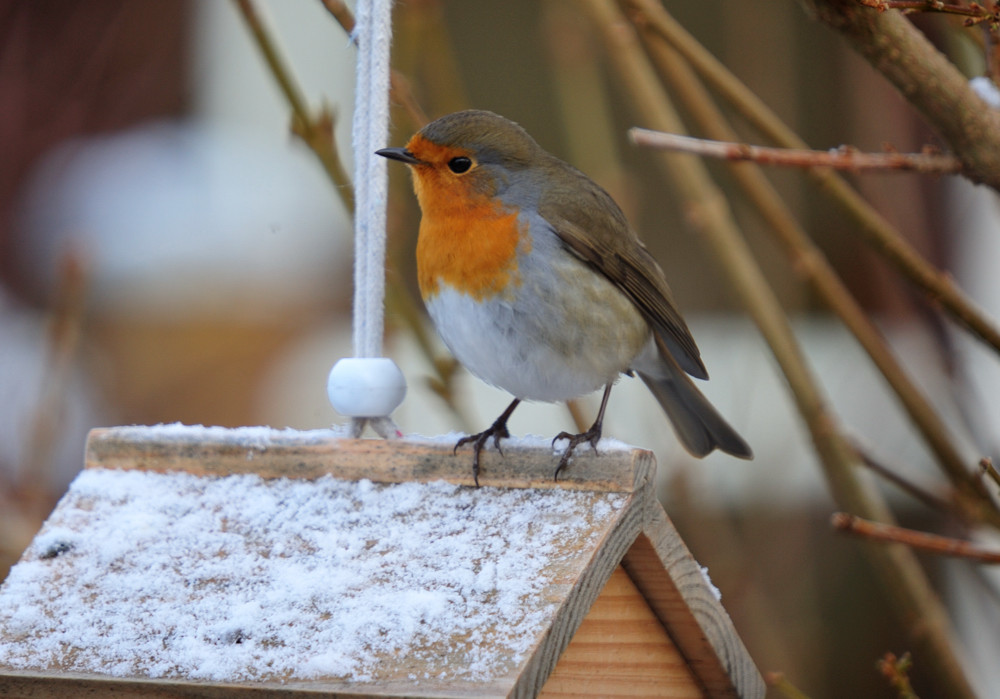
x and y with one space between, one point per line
538 285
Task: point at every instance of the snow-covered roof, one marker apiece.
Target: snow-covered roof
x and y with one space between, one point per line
403 581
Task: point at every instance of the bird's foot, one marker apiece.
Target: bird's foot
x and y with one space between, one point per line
498 431
593 436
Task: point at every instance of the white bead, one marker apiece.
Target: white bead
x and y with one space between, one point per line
365 386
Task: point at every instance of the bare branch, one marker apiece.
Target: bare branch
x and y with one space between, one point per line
399 86
342 13
316 132
975 12
926 78
922 541
784 686
915 491
986 464
843 158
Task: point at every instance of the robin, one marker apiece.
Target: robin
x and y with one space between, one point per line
537 284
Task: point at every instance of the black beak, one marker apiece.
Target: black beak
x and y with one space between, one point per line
400 154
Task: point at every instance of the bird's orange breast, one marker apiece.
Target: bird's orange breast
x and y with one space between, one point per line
468 241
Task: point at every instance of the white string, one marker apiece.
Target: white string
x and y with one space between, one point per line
370 131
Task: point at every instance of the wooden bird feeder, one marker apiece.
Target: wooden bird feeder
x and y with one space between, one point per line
252 562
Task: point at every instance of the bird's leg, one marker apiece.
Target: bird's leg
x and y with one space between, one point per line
498 431
593 435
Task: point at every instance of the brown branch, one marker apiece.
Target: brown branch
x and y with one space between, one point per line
911 489
975 12
926 78
784 686
317 133
342 13
708 211
921 541
843 158
399 87
987 467
66 320
969 503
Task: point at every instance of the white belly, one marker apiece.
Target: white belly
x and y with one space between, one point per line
542 343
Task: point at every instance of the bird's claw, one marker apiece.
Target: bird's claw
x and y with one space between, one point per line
478 440
592 436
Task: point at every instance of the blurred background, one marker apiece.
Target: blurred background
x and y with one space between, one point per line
170 252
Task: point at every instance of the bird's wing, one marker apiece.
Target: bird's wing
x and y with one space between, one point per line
596 231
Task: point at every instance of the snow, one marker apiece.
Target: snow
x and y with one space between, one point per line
262 437
709 584
250 437
987 91
140 574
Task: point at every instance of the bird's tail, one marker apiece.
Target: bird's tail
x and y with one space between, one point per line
696 421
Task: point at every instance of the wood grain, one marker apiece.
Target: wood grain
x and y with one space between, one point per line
283 454
27 685
622 650
672 582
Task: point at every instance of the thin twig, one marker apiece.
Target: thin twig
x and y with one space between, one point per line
911 489
342 13
967 504
399 87
316 133
897 671
921 541
922 6
66 322
986 464
783 685
974 11
843 158
575 408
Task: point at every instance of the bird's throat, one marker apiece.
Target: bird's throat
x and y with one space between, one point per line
470 247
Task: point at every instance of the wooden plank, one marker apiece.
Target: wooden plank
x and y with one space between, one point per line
621 650
586 588
27 685
289 454
672 582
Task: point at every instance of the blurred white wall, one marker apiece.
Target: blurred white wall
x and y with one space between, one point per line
224 212
232 86
975 223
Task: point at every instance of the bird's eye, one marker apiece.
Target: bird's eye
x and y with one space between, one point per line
459 165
